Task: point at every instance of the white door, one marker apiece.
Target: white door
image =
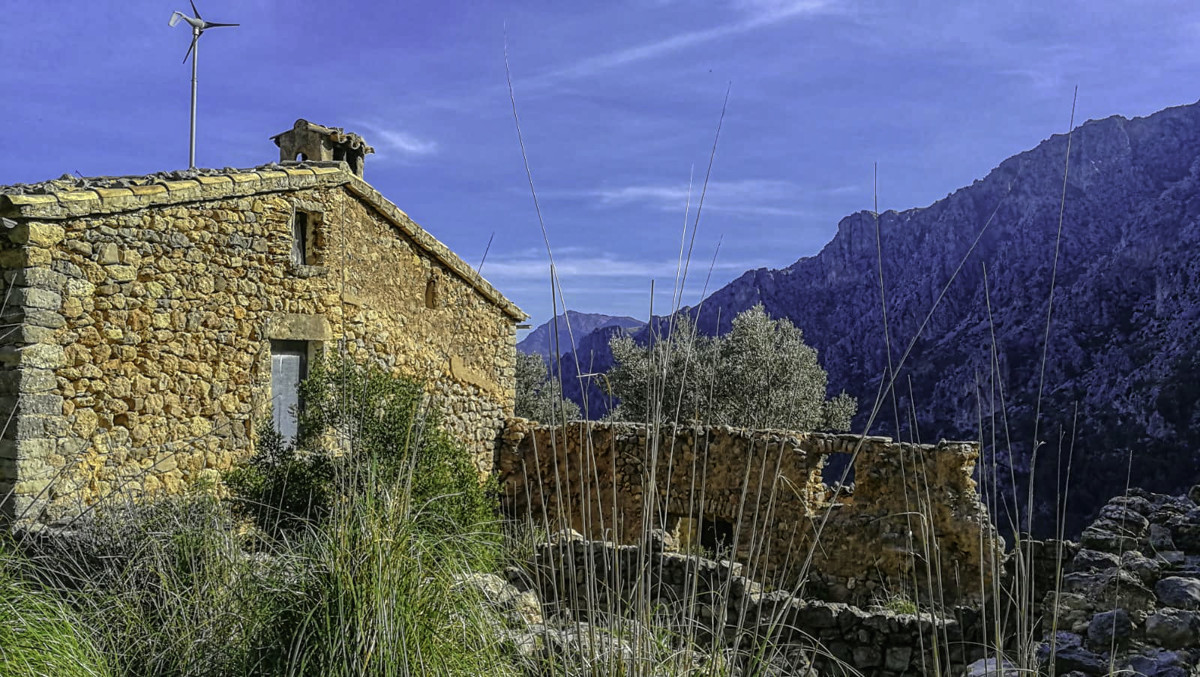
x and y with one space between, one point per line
289 366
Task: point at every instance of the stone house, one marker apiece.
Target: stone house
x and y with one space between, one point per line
152 322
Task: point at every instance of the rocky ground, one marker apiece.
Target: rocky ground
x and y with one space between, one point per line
1130 595
1127 602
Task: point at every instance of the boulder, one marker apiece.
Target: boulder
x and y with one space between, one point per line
1178 592
990 667
1110 630
1162 663
517 607
1116 588
1185 531
1094 560
1174 628
1146 569
1068 654
1160 538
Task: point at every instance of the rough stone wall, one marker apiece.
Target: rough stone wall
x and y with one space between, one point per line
142 359
594 580
913 524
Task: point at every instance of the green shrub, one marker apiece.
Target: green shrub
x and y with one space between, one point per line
280 489
539 394
761 374
39 632
384 426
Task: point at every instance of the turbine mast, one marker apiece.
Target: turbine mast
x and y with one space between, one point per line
192 134
199 25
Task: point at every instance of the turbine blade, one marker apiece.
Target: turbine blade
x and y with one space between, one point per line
195 10
208 24
190 48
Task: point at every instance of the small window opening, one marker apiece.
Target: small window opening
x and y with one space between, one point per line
716 536
289 367
300 238
431 294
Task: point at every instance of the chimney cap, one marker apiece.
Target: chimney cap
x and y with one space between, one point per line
310 141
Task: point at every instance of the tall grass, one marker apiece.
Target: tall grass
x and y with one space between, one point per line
39 635
352 570
385 599
1013 625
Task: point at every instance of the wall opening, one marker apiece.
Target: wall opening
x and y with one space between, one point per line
431 293
289 367
307 237
300 238
716 535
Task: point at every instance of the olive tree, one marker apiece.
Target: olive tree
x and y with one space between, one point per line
539 396
760 374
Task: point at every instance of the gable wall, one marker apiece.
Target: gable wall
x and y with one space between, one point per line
141 359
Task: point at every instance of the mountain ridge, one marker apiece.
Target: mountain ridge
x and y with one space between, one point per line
1123 340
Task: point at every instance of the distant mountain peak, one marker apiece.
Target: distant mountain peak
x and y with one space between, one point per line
571 325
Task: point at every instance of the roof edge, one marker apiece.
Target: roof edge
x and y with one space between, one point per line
158 190
431 244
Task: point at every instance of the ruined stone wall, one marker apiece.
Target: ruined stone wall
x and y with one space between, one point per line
913 524
142 360
596 580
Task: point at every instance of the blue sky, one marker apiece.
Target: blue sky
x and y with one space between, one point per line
618 101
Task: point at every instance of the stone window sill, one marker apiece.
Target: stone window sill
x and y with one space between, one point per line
309 271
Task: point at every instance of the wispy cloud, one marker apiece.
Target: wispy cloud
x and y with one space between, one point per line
755 14
748 197
392 143
528 266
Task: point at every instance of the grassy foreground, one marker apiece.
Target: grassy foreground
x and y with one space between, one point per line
322 562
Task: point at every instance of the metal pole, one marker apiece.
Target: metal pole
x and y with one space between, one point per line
192 137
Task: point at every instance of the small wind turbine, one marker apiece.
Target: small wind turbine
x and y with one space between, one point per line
199 25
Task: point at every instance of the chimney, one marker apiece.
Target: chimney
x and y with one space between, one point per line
308 141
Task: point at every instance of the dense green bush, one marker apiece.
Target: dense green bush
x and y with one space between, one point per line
760 374
280 489
358 420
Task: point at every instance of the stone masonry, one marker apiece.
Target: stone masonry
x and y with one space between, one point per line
913 523
141 313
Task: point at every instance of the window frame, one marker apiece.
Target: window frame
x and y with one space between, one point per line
306 257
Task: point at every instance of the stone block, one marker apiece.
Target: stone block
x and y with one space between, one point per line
42 278
27 450
108 253
26 334
46 318
898 659
294 327
30 297
32 380
121 273
37 355
26 427
1179 592
37 233
40 404
14 258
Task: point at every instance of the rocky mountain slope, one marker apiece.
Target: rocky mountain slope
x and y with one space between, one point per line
541 339
1123 365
